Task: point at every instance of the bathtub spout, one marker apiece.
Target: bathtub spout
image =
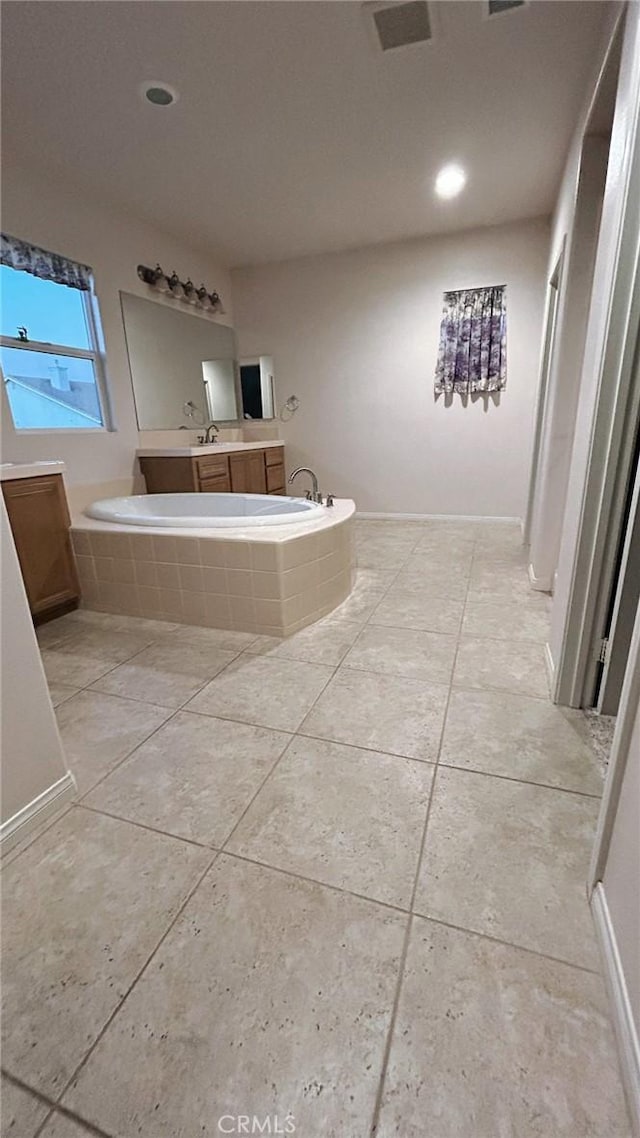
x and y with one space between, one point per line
314 495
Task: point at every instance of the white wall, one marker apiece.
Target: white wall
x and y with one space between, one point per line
32 758
55 216
355 337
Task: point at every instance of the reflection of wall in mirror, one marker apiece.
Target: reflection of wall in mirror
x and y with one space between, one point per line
166 349
220 386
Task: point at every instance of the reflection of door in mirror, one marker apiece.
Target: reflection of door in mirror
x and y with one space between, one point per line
256 381
220 386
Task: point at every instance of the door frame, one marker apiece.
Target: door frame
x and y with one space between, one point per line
617 609
549 343
622 1013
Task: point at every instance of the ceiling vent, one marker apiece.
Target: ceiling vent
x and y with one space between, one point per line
399 25
497 7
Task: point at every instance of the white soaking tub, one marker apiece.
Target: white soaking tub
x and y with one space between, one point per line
272 569
204 511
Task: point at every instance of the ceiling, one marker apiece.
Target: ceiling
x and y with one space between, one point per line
294 134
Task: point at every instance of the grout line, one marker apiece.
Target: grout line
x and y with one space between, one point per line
186 710
405 948
388 905
129 755
508 944
93 690
281 756
146 826
300 734
54 1108
341 889
111 1017
521 781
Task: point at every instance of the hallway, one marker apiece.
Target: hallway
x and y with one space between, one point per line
338 879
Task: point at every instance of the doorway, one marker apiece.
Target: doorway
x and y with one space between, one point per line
620 588
564 346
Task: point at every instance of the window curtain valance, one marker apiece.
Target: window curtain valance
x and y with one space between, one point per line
472 355
40 263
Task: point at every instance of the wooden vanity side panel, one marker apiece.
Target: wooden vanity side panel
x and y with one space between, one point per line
39 519
169 475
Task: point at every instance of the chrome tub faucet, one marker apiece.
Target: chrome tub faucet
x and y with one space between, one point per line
313 495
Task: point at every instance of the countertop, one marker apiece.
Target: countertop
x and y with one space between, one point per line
213 448
9 471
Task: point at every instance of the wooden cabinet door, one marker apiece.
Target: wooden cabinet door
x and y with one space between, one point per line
257 477
39 519
247 470
168 475
239 473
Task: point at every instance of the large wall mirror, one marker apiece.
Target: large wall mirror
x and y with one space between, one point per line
180 360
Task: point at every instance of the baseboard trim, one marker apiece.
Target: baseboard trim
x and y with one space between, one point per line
365 516
551 668
541 584
622 1014
35 813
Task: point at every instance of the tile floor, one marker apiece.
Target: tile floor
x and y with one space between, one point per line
339 877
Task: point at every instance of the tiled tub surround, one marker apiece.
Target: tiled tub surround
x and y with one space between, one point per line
274 582
340 874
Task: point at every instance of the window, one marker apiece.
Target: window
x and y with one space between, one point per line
50 342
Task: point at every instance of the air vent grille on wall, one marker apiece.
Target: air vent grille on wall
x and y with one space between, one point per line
402 24
498 6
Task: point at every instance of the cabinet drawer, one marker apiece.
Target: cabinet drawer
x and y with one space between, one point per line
217 484
275 479
212 465
274 456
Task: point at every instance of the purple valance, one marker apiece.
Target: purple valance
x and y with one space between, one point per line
472 355
28 258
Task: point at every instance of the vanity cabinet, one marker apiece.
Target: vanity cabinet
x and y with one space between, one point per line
39 520
253 471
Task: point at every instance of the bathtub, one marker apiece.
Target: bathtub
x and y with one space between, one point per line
204 511
272 569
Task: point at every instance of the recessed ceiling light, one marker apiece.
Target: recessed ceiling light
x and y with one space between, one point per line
450 181
159 94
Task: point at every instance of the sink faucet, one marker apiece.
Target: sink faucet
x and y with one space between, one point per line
208 437
312 494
